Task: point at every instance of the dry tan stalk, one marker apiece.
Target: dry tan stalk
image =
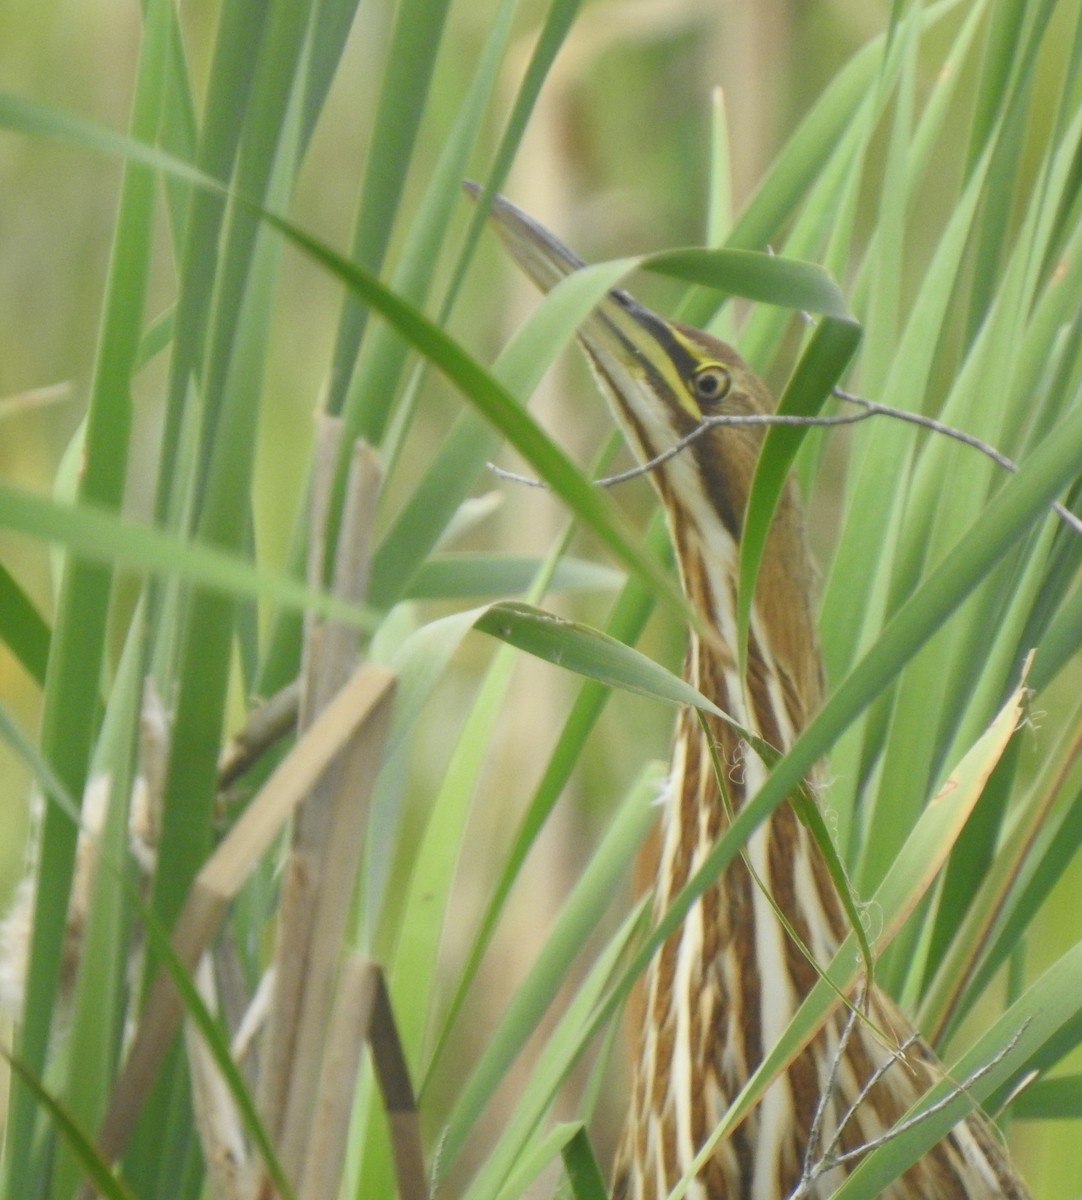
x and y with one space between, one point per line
221 1131
328 652
354 782
362 1013
346 1037
326 668
364 699
284 1001
253 1019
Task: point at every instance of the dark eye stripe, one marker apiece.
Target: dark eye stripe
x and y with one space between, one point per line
682 359
684 362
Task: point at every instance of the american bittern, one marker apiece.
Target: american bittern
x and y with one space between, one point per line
723 988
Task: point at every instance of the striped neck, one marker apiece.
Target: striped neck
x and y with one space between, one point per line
782 687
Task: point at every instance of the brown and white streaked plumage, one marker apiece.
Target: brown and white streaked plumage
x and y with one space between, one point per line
723 988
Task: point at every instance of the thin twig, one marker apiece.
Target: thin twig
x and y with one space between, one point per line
869 408
815 1169
264 728
815 1133
679 446
873 408
962 1089
830 1160
896 1056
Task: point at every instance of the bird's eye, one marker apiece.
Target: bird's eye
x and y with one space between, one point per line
711 383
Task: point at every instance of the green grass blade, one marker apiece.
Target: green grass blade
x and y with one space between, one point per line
376 378
100 1173
558 22
801 160
98 1003
454 576
626 623
588 652
558 1142
71 707
884 451
331 23
433 869
242 22
411 57
101 537
583 1173
820 368
1041 843
579 917
1057 1099
22 628
755 276
519 1134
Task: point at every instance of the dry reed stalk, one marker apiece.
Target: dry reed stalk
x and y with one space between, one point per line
356 717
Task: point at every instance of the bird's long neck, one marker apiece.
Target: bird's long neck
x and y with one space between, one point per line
778 695
779 692
781 688
723 989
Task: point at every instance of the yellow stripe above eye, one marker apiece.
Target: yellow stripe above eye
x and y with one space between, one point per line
670 355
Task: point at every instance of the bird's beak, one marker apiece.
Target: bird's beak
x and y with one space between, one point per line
640 358
543 257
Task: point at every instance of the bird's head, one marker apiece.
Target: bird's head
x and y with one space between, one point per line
662 380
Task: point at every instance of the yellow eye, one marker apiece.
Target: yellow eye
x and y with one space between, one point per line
711 383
